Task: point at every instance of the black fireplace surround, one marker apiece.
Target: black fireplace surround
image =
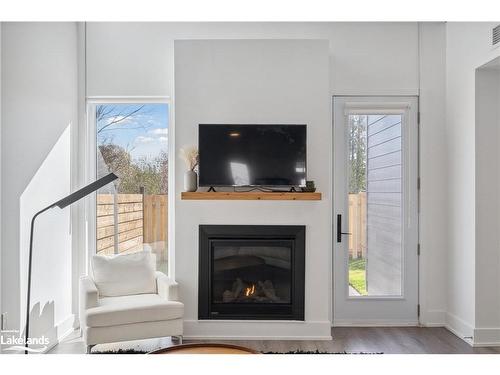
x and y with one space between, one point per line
251 272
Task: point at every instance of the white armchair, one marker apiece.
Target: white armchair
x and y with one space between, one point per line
127 299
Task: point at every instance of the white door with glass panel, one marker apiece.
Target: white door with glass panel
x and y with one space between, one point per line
375 211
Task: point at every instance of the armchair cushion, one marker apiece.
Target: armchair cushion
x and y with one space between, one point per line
139 308
89 296
167 288
122 275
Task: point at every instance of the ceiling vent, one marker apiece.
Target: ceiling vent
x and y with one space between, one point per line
495 36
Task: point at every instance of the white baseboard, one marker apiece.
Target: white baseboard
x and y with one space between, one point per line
433 318
63 329
486 337
459 328
256 330
374 323
476 337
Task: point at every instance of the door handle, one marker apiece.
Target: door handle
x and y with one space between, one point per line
339 229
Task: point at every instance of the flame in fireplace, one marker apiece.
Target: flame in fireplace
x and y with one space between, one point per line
250 291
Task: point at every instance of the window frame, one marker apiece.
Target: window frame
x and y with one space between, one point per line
91 169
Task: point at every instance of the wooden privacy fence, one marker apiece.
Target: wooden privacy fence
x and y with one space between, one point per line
156 225
140 218
357 225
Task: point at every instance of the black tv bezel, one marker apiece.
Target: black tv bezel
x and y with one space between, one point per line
250 186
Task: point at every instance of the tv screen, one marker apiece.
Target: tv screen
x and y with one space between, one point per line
252 155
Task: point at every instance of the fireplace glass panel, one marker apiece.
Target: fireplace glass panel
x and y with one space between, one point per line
252 272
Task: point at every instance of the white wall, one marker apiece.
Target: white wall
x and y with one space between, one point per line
487 267
365 59
51 291
39 104
433 190
256 81
1 309
468 46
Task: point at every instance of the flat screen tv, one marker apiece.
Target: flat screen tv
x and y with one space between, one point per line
252 155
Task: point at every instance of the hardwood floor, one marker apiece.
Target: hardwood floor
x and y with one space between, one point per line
389 340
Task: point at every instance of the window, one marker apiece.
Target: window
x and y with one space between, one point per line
131 140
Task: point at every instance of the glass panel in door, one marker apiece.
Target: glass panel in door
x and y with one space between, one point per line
375 210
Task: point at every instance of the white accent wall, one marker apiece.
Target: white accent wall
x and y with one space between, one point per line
38 109
255 82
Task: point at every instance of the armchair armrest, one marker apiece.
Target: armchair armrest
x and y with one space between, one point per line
167 288
89 296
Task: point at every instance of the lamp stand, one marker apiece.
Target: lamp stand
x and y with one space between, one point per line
26 332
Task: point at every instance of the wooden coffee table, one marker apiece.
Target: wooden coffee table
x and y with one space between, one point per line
207 348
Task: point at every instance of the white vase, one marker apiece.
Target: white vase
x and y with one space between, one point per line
190 181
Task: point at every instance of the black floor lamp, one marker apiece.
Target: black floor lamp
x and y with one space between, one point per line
72 198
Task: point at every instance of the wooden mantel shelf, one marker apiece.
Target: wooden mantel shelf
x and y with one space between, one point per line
251 196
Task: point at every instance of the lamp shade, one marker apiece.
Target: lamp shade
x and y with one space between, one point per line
86 190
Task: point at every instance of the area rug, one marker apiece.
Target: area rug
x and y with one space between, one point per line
133 351
319 352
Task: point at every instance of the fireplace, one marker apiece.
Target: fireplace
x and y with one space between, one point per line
251 272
